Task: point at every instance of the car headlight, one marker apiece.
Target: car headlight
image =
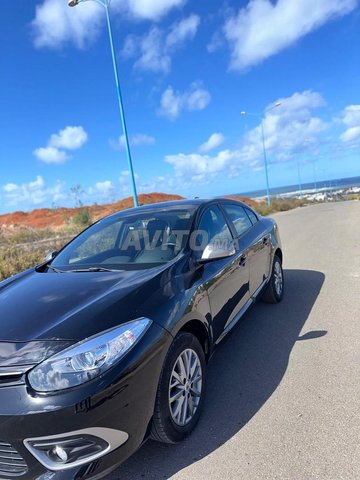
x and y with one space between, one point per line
87 359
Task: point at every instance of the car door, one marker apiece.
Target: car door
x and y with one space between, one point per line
226 280
261 245
255 240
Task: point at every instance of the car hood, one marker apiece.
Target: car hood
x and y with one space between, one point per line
19 354
71 306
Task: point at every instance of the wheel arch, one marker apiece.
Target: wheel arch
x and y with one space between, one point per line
199 330
278 253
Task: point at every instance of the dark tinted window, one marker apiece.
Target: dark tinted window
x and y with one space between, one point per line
238 217
252 216
214 225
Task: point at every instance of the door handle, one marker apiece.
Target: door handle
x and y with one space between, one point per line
266 241
242 262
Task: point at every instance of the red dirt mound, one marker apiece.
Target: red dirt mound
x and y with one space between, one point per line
46 217
248 201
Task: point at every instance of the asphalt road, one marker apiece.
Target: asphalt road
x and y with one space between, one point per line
283 399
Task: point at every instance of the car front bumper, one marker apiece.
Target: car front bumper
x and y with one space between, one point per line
121 401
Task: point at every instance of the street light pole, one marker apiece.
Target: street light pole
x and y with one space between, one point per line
314 171
266 164
299 177
261 116
106 5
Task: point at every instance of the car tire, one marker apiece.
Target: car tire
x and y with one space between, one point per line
170 423
274 291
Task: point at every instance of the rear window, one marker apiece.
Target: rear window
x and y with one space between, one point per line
252 216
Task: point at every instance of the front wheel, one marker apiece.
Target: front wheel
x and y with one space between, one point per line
274 291
181 390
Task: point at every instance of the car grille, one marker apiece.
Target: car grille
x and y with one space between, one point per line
11 462
13 375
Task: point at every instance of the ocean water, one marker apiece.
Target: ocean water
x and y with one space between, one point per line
338 184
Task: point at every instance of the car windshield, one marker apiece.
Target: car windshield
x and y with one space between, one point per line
127 242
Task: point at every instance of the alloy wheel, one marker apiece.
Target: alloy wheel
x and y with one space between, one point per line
185 387
278 277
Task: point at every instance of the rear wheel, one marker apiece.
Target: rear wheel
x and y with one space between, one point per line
274 291
181 390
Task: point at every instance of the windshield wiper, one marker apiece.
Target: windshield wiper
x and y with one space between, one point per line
91 269
55 269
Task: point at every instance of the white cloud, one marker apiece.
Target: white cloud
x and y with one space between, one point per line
105 187
125 176
197 99
51 155
172 103
33 193
154 49
289 129
137 140
200 167
55 24
150 51
351 115
351 118
101 192
214 141
109 191
161 183
125 183
264 28
351 135
150 9
217 41
70 138
37 194
181 31
10 187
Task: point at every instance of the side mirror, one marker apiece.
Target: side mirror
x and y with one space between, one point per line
217 252
50 256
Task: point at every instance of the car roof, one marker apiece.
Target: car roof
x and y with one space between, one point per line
191 204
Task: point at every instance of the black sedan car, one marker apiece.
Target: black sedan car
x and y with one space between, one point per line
107 342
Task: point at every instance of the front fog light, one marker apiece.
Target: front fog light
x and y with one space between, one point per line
74 449
59 454
70 450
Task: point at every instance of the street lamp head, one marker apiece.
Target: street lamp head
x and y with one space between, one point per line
73 3
275 105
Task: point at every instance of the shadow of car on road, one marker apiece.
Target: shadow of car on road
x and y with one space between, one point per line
243 374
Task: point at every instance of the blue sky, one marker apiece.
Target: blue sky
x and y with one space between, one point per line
187 69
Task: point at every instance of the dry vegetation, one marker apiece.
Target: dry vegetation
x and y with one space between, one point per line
280 205
23 247
26 238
